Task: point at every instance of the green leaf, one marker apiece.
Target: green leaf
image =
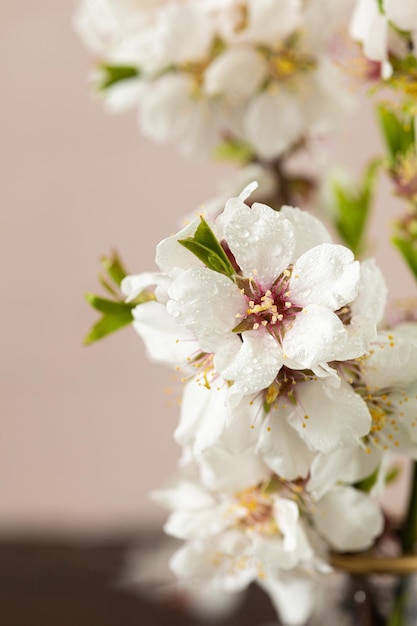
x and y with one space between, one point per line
353 207
206 247
108 324
408 249
112 74
234 151
109 307
397 130
114 267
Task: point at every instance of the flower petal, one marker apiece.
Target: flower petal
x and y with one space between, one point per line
262 241
252 364
315 336
326 274
348 519
164 339
308 230
331 418
207 303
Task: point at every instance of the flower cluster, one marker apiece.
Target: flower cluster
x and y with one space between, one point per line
205 72
293 398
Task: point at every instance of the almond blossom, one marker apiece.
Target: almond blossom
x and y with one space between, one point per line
274 532
292 298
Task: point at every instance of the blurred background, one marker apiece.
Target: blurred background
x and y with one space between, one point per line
87 432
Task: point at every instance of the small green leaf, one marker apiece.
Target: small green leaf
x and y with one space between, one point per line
234 151
353 207
114 267
109 307
112 74
108 324
206 247
408 249
397 130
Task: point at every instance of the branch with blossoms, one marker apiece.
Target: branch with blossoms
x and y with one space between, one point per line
296 392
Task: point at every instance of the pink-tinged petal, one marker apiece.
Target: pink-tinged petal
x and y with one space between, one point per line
328 418
315 336
326 274
165 341
262 241
206 303
282 448
253 364
309 231
348 519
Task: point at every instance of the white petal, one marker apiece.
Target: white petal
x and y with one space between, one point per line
315 336
262 240
122 96
231 472
235 74
165 341
282 448
348 519
185 495
294 597
349 465
171 256
273 123
186 32
203 416
270 21
393 361
372 295
253 364
376 42
308 230
337 418
362 18
207 303
164 106
326 274
133 285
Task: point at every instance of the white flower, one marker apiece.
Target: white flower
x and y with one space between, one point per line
387 380
208 71
281 308
274 532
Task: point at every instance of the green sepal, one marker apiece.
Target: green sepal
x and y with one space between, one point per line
112 74
234 151
108 324
408 249
353 207
206 247
397 130
108 307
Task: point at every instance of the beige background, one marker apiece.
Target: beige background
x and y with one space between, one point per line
85 432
